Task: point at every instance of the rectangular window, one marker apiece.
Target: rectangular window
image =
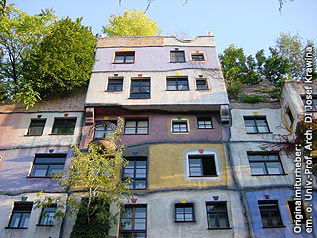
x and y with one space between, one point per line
136 126
124 57
104 129
217 215
290 116
133 222
64 126
115 85
198 57
20 215
313 103
202 166
184 212
270 213
265 163
140 88
48 165
204 123
136 170
178 56
201 84
256 124
36 127
293 210
180 127
47 215
177 84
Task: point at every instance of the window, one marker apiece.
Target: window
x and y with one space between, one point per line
133 222
104 129
47 215
180 127
115 85
136 126
20 215
198 57
136 171
313 105
202 166
36 127
140 88
256 124
265 163
48 165
64 126
204 123
217 215
201 84
124 57
177 56
293 209
270 213
184 212
290 116
177 84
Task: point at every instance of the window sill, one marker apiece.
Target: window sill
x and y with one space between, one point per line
123 63
220 228
185 221
116 91
178 62
135 134
32 135
41 177
139 98
255 133
16 228
207 89
256 175
44 225
61 134
205 128
209 176
180 133
177 90
265 227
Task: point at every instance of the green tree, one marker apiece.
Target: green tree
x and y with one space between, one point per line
19 34
63 60
131 23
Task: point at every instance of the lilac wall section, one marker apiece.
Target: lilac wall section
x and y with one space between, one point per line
153 59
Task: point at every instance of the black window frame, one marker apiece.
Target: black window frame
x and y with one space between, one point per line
204 120
125 54
137 120
115 84
274 204
34 120
45 214
292 211
198 86
179 122
105 128
177 81
174 58
265 161
17 208
184 205
217 213
61 156
144 84
132 231
65 126
204 161
256 120
195 54
134 179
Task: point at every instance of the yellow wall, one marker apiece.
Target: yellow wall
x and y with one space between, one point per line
166 166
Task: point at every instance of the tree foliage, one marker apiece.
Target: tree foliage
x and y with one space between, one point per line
63 60
131 23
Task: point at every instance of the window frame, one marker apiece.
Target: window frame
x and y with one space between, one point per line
21 212
124 54
64 125
204 119
137 120
42 215
206 84
201 157
264 161
134 179
270 202
104 128
133 231
184 205
141 80
55 155
177 79
255 119
115 84
182 121
174 57
198 53
36 120
212 203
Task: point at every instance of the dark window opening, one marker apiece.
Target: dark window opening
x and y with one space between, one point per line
177 84
177 56
133 222
48 165
20 215
184 212
140 88
270 213
64 126
198 57
115 85
124 57
204 123
217 215
36 127
201 84
265 163
202 166
256 124
294 210
136 170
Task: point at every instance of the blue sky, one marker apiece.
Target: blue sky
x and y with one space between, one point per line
250 24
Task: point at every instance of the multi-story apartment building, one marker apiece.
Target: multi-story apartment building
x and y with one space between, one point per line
34 144
172 97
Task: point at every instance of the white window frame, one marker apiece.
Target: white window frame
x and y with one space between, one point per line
181 120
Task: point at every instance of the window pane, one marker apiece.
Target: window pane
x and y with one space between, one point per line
39 170
129 59
119 59
139 235
126 224
25 220
257 168
55 170
182 84
130 130
15 220
139 224
142 131
140 184
274 168
188 217
125 235
140 212
142 123
171 84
